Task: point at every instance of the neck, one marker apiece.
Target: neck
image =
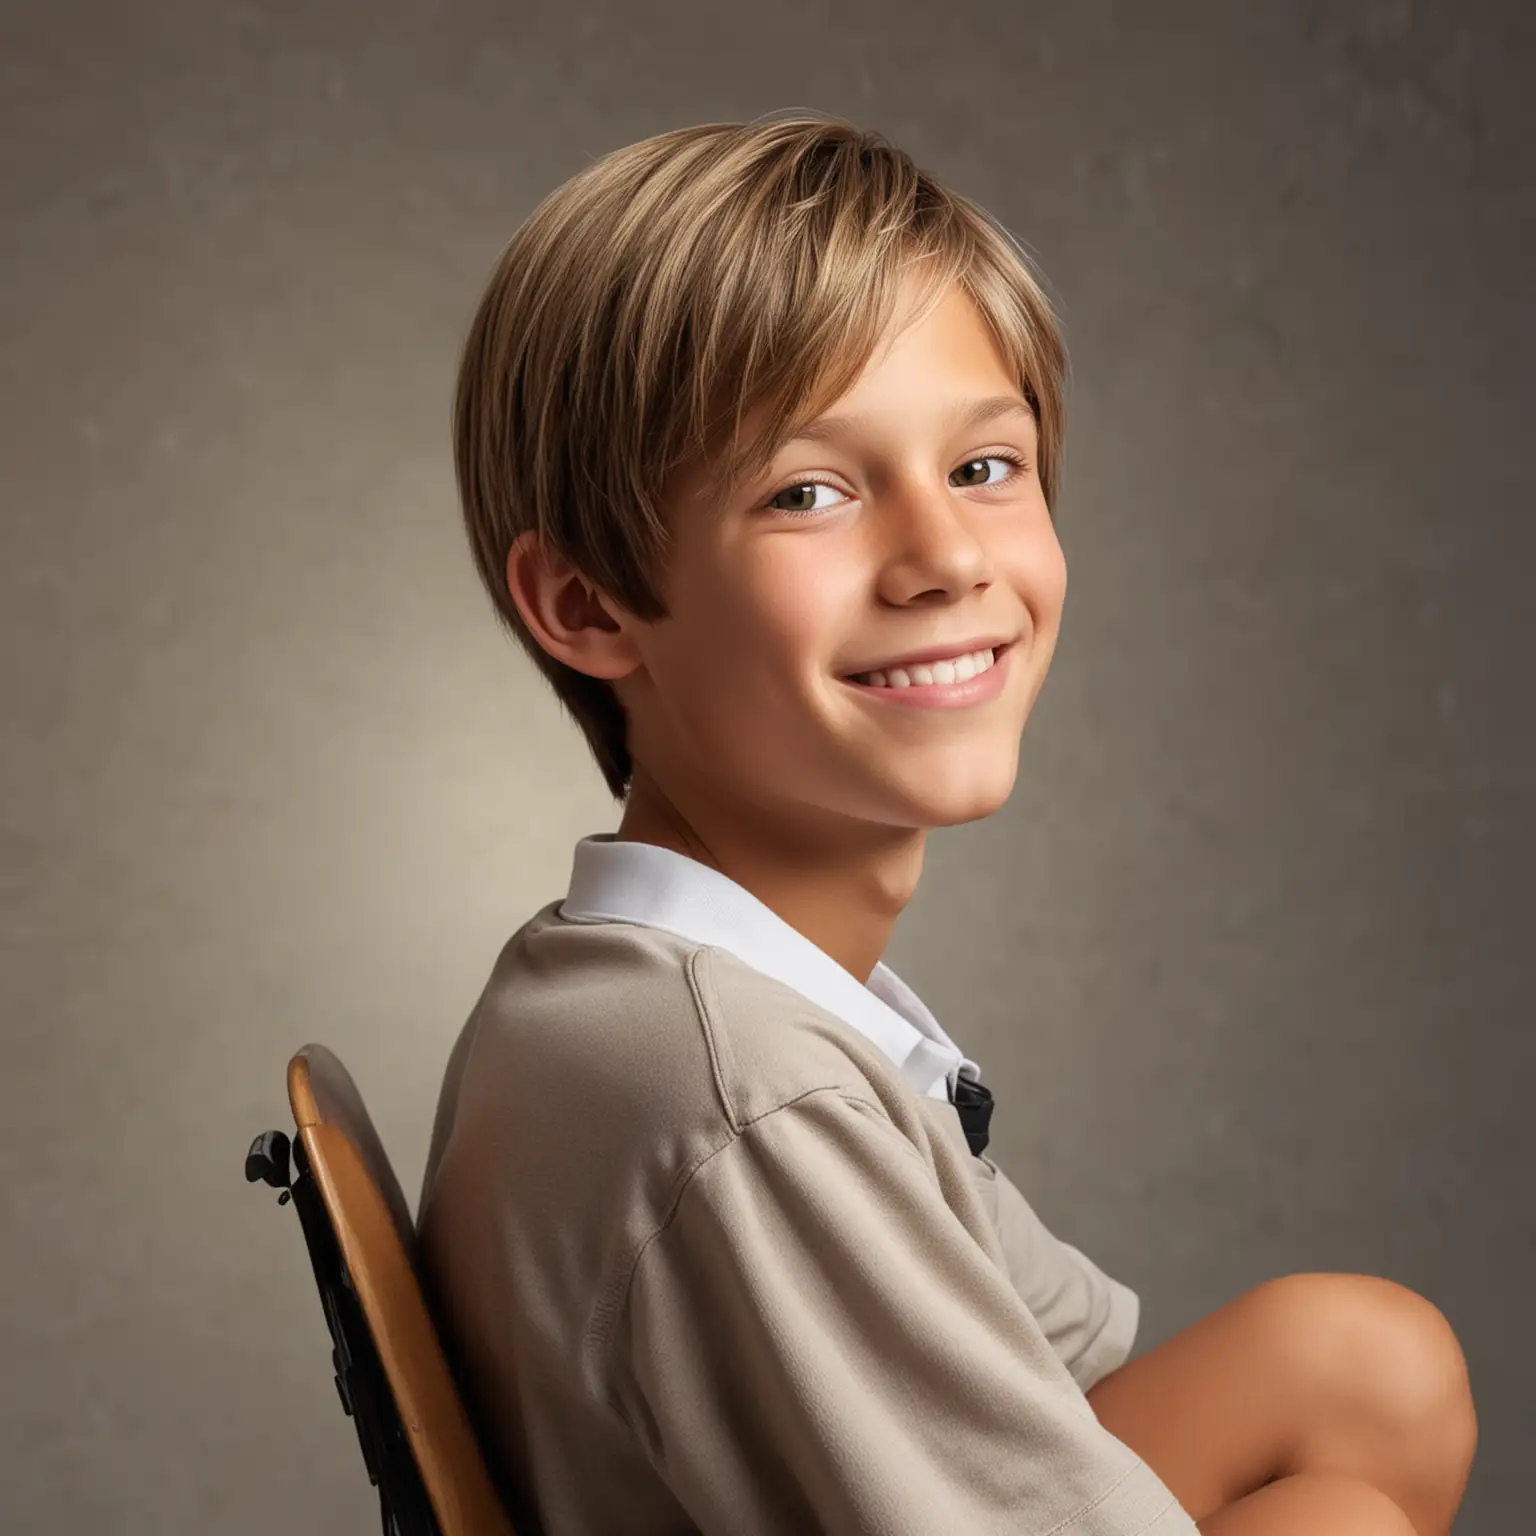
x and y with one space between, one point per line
842 886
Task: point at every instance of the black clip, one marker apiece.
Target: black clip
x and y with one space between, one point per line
973 1100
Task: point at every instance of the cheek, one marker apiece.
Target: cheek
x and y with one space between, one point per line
1038 577
788 613
730 670
1040 564
1052 596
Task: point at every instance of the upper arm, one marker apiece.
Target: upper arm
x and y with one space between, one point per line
1090 1318
815 1341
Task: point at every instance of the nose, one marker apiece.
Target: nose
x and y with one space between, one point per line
929 539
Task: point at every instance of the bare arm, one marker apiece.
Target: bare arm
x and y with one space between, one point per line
1317 1376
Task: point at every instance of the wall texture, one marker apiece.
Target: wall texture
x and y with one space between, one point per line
1245 957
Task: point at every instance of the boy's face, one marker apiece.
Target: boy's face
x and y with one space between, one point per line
923 534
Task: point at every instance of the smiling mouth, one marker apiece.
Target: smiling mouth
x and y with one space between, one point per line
866 679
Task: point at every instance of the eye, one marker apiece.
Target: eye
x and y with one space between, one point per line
798 490
1019 468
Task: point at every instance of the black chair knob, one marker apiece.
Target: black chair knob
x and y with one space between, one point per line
268 1160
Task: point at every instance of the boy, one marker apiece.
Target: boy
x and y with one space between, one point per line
755 423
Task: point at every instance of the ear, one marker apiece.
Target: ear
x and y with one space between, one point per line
567 614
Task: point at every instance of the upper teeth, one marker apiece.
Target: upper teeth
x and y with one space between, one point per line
956 670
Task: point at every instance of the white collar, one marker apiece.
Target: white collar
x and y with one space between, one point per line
631 882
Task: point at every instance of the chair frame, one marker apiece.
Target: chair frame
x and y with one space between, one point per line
366 1396
393 1375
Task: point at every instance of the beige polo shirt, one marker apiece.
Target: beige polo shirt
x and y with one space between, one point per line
709 1251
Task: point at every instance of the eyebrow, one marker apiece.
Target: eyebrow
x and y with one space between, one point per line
960 414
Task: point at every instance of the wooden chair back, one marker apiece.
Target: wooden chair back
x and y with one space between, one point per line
391 1371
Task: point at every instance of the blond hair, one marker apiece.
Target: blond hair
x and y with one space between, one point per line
673 286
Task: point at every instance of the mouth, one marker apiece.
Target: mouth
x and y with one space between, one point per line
881 677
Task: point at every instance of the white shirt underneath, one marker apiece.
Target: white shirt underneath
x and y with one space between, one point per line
631 882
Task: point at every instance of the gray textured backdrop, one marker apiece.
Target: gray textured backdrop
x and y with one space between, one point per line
1246 956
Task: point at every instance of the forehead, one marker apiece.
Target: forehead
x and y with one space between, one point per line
936 348
955 415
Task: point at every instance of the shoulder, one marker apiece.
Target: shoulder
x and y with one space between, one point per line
612 1005
603 1066
649 1042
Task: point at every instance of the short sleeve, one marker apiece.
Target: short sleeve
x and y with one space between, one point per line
1090 1318
815 1342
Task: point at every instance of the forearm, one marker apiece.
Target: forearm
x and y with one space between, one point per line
1202 1412
1313 1374
1311 1504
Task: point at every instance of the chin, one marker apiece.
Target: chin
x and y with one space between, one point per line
977 811
979 797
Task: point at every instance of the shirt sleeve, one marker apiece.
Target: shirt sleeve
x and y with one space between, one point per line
815 1342
1090 1318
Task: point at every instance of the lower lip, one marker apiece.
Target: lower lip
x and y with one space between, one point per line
974 690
